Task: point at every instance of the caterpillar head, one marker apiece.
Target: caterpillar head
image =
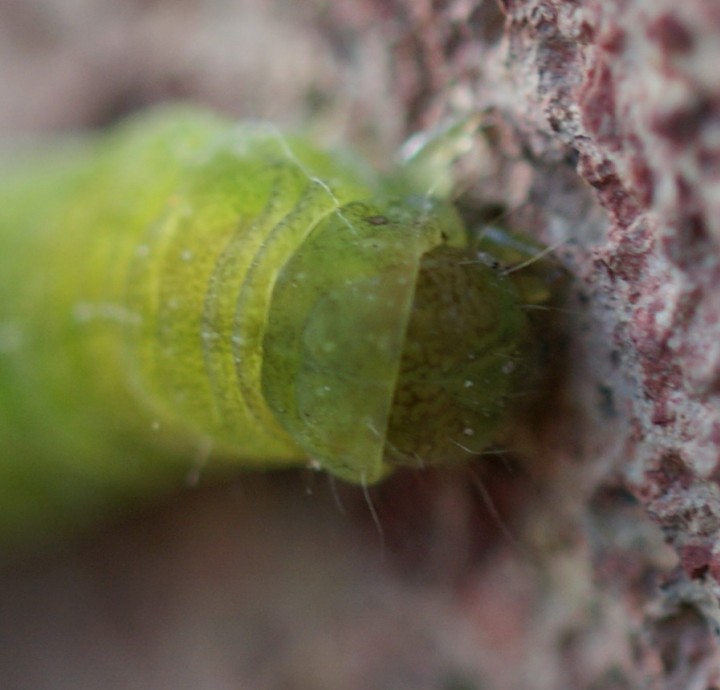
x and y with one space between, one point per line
400 346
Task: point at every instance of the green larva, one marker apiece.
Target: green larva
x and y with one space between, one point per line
184 285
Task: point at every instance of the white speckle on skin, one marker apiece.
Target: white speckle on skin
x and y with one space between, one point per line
314 465
186 255
84 312
11 338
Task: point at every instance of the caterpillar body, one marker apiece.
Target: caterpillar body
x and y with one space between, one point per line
185 285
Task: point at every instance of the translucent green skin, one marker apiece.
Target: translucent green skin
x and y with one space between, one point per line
184 286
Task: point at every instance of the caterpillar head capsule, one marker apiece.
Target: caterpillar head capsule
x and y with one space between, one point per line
389 343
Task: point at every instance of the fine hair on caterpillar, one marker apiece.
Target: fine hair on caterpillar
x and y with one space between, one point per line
443 524
192 295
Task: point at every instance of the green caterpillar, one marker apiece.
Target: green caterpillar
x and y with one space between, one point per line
185 285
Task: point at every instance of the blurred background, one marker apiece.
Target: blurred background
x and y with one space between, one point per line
69 64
